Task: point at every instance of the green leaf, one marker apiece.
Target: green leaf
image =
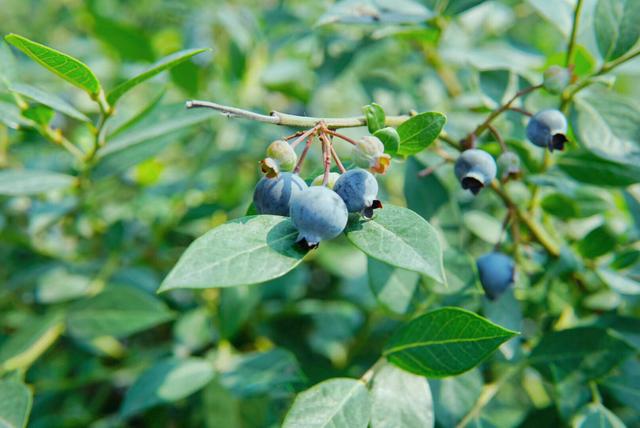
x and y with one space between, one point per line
453 397
592 351
625 388
12 117
419 132
375 12
484 226
20 182
597 242
374 114
445 342
393 287
236 306
455 7
129 41
595 415
424 195
338 403
616 27
7 65
390 139
66 67
48 100
607 123
400 399
29 342
558 12
581 165
15 404
619 283
167 381
275 372
222 256
400 238
166 63
118 311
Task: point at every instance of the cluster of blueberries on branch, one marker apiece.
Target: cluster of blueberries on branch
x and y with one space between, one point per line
320 211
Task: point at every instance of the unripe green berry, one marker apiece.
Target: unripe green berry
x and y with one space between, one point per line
556 79
333 177
509 164
283 154
369 153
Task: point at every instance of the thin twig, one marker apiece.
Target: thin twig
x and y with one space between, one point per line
521 111
498 138
430 170
284 119
342 137
337 160
304 135
574 32
326 157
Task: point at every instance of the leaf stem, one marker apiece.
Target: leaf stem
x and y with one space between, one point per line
574 32
284 119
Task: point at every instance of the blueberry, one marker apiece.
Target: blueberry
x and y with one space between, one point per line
319 214
548 128
475 169
358 189
509 164
274 195
497 272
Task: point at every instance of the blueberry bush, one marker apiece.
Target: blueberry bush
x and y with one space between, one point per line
350 213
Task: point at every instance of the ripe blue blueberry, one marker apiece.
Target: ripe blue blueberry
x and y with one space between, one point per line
548 129
497 273
358 189
319 214
475 169
274 195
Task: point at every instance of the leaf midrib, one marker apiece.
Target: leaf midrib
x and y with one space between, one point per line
443 342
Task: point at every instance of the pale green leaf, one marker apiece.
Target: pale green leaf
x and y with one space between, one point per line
247 250
167 381
616 26
15 404
335 403
49 100
595 415
401 238
20 182
393 287
400 399
445 342
419 132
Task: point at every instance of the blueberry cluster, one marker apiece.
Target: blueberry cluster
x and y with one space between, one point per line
320 211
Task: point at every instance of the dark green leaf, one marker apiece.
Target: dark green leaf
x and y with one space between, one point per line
424 195
592 351
15 404
595 415
338 403
375 117
236 306
49 100
445 342
221 257
400 399
419 132
401 238
118 311
164 64
128 41
582 165
597 243
616 26
63 65
167 381
29 342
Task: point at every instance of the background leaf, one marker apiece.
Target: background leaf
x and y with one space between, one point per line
18 182
15 404
616 27
419 132
48 100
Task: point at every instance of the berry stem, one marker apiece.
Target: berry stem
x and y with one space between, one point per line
326 156
498 138
303 135
284 119
303 155
342 137
430 170
341 167
497 112
521 111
